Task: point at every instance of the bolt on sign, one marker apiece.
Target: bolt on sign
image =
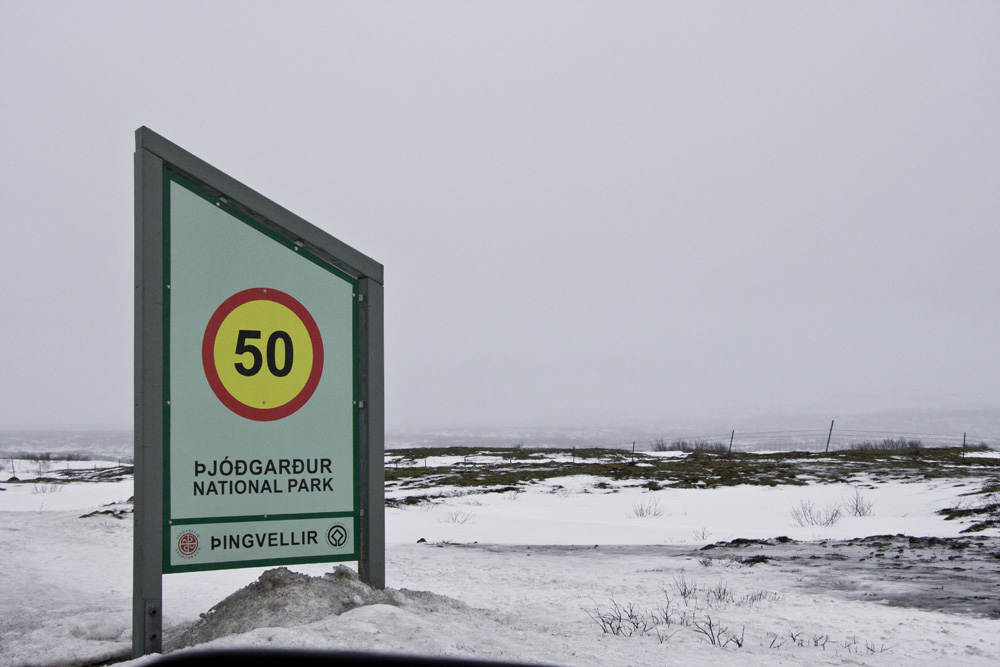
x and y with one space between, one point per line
258 384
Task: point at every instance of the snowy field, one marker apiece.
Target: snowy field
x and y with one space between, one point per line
539 573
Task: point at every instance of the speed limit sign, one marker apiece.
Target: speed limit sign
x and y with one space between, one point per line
263 354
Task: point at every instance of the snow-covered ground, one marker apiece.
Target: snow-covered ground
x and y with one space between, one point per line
522 576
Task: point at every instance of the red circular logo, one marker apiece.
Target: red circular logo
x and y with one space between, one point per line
187 544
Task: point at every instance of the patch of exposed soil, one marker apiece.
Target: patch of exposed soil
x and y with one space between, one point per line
954 575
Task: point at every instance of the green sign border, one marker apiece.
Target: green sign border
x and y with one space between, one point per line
169 177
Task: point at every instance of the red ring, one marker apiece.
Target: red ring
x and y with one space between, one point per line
208 354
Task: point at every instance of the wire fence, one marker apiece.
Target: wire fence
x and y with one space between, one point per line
645 440
812 440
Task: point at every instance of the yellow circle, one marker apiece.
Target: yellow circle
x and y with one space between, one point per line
252 350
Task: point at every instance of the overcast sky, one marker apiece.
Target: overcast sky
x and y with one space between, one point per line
589 213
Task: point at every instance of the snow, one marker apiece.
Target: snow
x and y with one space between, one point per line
509 576
545 516
61 497
983 455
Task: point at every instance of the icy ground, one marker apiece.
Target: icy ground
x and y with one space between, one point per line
532 576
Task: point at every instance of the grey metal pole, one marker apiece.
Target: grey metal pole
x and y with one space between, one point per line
828 437
371 566
147 563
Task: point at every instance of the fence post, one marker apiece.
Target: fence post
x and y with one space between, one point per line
731 436
830 435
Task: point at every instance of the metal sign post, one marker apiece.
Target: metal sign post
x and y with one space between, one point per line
258 382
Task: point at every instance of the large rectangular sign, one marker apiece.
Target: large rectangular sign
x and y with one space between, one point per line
261 393
259 429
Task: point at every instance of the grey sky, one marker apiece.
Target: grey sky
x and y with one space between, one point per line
589 212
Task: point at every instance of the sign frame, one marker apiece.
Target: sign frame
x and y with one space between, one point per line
159 162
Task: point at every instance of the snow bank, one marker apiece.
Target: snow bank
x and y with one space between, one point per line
281 598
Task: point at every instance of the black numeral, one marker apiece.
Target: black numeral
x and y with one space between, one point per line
272 365
242 347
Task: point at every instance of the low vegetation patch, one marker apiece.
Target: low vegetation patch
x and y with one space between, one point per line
660 445
887 445
700 611
685 605
983 505
494 470
46 456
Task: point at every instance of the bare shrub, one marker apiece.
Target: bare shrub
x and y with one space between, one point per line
647 509
690 611
716 634
457 516
853 646
697 446
858 504
720 595
806 514
761 597
886 445
49 456
882 648
628 620
685 588
45 488
623 620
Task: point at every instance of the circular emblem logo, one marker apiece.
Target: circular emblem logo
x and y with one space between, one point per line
187 544
262 353
337 535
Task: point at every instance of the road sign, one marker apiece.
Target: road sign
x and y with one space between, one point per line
259 419
233 354
262 390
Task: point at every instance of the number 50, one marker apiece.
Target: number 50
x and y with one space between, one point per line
243 347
